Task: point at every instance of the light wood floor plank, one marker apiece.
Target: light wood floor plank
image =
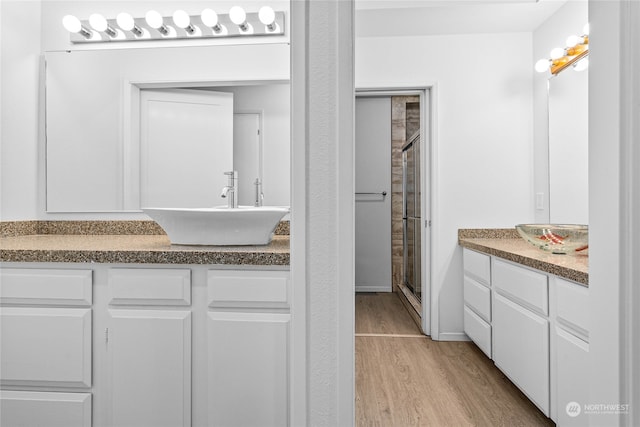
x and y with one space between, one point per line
414 381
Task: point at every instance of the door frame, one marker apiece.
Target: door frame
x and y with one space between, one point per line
427 94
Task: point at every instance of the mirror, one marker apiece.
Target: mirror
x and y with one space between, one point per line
569 147
95 160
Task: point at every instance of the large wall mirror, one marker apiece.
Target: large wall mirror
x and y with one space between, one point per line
132 128
569 147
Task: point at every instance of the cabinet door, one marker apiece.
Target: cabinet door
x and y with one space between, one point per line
248 369
48 347
51 409
150 368
572 378
521 349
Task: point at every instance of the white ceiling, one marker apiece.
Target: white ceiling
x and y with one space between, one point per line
389 18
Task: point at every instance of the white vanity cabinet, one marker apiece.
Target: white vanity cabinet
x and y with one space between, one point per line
45 342
538 328
148 344
144 345
521 329
570 339
248 326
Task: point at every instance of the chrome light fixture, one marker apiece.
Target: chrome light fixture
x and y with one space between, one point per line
180 25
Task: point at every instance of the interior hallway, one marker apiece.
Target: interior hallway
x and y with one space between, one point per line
406 379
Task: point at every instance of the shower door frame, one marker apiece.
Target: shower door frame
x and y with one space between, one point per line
426 92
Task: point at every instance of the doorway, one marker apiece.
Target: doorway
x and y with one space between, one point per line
392 209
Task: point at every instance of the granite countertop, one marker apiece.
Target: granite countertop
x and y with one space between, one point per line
125 242
507 244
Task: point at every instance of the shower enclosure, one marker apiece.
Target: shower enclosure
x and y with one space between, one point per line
411 217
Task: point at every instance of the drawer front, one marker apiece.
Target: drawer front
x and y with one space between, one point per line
528 287
150 286
477 265
45 347
248 289
478 330
478 297
51 409
521 349
45 287
572 305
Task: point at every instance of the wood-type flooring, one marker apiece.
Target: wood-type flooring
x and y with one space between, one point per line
405 379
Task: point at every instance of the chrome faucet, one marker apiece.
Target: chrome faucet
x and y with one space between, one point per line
259 193
230 192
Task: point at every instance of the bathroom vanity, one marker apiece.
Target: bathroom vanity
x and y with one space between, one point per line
107 323
527 310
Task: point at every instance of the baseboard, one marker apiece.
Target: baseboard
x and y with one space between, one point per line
373 288
453 336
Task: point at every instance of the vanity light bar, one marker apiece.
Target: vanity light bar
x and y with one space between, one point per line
560 58
178 26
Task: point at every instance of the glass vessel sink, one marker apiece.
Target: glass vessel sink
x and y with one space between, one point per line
556 238
219 226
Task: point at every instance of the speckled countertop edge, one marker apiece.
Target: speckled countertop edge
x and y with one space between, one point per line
126 242
504 244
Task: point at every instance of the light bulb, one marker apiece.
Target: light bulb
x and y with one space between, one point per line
154 19
556 53
239 17
98 22
542 65
573 40
72 24
210 19
586 29
267 16
181 19
125 21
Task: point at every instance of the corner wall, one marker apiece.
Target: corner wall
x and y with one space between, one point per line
482 174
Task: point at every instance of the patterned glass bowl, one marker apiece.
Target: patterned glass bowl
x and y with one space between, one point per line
556 238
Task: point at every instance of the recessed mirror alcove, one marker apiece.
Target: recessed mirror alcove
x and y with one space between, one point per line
103 153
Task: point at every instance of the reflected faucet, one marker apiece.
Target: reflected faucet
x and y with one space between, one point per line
259 193
230 192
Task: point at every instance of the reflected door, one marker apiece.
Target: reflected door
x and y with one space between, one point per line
186 145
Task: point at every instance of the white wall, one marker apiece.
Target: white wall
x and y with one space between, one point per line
20 59
483 142
569 19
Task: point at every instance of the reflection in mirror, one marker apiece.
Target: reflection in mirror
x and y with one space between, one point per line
96 160
569 147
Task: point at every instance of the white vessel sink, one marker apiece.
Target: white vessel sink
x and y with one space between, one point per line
245 225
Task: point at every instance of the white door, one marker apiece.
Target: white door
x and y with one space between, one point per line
246 155
186 145
150 362
373 194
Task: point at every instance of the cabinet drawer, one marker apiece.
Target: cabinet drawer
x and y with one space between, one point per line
572 305
478 330
45 287
248 289
51 409
150 286
477 265
478 297
521 349
45 347
528 287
